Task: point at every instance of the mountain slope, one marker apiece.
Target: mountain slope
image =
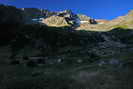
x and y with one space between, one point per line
35 55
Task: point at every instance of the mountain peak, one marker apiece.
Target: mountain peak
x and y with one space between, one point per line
130 13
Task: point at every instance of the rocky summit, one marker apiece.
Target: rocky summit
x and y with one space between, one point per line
77 21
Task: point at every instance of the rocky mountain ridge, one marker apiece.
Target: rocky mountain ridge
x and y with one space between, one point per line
66 18
78 21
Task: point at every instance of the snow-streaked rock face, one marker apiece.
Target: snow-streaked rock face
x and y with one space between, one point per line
39 20
39 15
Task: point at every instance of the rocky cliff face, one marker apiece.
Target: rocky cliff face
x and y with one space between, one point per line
60 19
48 17
56 21
83 22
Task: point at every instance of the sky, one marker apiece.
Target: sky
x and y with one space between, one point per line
98 9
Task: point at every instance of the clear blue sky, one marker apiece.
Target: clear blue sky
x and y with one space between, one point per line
102 9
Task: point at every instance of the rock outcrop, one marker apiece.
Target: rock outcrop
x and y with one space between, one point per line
56 21
60 19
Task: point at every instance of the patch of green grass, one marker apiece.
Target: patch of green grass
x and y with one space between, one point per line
121 26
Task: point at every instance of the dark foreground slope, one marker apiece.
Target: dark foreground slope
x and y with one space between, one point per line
60 58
